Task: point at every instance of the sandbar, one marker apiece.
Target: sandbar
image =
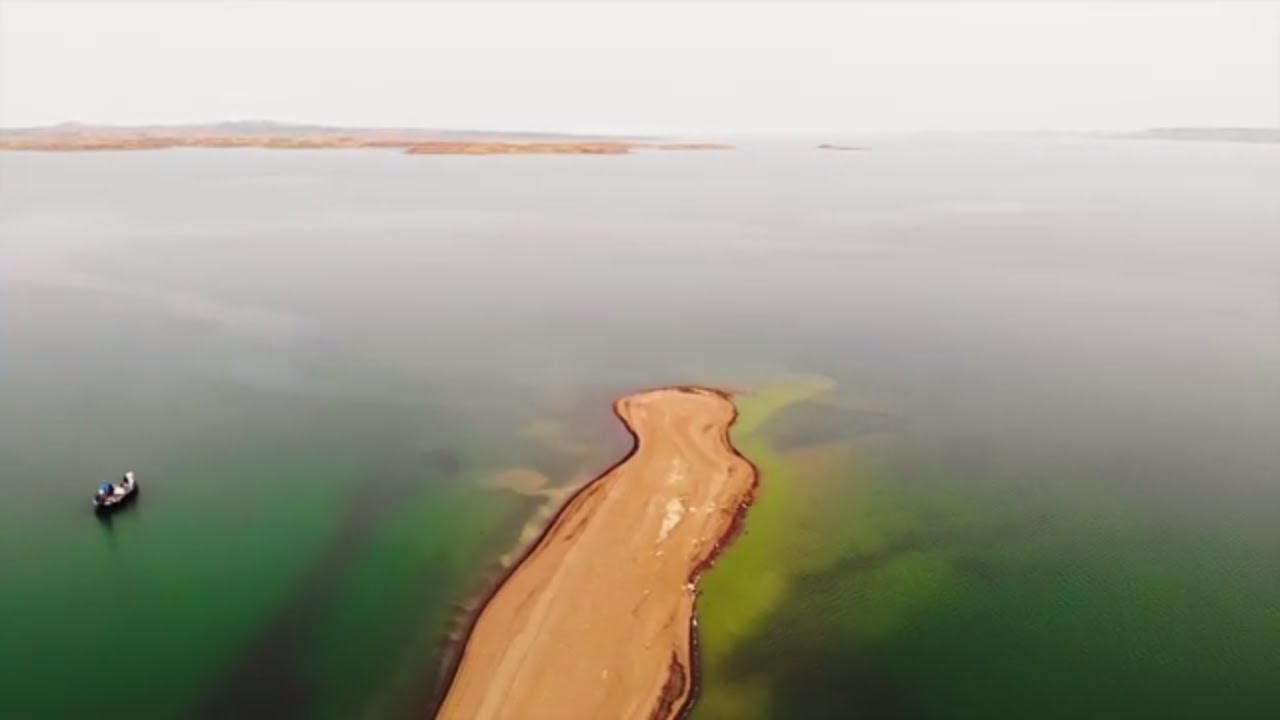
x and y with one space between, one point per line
597 619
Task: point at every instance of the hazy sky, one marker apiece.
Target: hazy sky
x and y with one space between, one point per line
693 67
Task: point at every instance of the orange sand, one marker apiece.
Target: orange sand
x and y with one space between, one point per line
596 621
445 147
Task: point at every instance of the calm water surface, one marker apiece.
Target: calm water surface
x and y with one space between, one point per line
1017 409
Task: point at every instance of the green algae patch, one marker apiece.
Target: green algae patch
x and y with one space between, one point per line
901 587
956 605
750 579
825 514
758 407
844 557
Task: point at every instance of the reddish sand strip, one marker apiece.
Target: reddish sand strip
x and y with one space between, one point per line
597 620
521 148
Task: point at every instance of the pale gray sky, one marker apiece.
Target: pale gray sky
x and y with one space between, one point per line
687 68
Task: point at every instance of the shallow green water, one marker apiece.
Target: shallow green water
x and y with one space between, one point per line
920 600
1016 412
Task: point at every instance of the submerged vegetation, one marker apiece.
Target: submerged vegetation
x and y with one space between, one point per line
870 583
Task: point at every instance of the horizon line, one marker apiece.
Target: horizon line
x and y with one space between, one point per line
614 133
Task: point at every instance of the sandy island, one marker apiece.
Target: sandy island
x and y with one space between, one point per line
596 621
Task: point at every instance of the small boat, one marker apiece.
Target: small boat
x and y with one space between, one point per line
111 496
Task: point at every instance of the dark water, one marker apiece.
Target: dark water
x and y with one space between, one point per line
1044 481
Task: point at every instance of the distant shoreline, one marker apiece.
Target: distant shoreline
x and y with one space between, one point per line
273 136
411 147
1239 135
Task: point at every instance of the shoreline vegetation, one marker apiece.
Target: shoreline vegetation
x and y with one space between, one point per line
273 136
597 618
